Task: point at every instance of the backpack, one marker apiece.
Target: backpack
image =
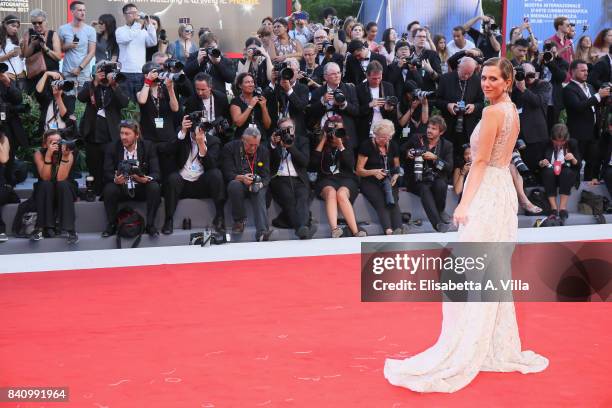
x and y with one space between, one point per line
130 224
25 219
591 203
538 198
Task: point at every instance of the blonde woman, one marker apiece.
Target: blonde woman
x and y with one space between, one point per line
183 46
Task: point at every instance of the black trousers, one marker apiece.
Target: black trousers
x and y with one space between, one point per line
167 160
114 194
590 154
208 185
237 192
433 198
389 217
564 181
94 158
292 195
533 154
55 201
608 178
552 117
6 195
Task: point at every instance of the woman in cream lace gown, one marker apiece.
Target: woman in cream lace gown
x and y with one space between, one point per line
478 336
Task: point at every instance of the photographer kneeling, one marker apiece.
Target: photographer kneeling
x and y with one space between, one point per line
430 163
55 192
198 151
378 165
290 187
560 169
131 170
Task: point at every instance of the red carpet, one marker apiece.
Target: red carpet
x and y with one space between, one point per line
276 333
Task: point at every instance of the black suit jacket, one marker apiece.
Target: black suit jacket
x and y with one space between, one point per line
429 84
182 150
221 73
558 68
13 127
349 114
355 74
533 103
114 101
572 147
395 77
300 156
220 103
146 154
580 116
366 114
450 92
601 72
277 99
337 58
234 162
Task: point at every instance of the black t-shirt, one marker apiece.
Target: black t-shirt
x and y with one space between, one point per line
255 117
483 43
375 159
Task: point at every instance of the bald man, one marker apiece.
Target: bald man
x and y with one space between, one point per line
461 88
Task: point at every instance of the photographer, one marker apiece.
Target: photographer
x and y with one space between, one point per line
55 106
325 50
429 165
377 101
581 101
336 98
553 69
560 169
475 53
246 169
256 61
530 95
183 87
336 182
460 100
358 60
286 97
79 46
311 73
403 69
133 38
131 172
427 61
462 168
290 187
158 106
249 109
103 99
378 165
413 113
44 41
10 109
198 152
209 101
54 192
488 40
208 59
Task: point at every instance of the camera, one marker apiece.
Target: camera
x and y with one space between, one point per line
327 48
391 100
519 73
419 163
173 65
258 92
34 36
90 194
213 52
404 36
520 144
285 135
217 127
255 52
111 69
336 21
459 109
142 15
173 76
339 96
71 144
388 187
421 94
257 184
64 85
333 132
518 162
129 167
285 71
163 36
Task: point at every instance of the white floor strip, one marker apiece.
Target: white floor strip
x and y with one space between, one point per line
54 261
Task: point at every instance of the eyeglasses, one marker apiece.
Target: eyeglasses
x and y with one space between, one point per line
35 23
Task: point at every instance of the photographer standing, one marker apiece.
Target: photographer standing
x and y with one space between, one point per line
553 69
246 169
325 51
429 165
488 40
103 99
377 101
581 101
55 105
460 100
249 109
413 113
7 194
358 60
256 61
10 108
54 192
131 172
208 59
79 46
428 64
158 106
290 187
40 40
198 152
133 38
402 69
530 95
378 165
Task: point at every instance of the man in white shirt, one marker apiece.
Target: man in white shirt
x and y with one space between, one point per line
133 38
459 43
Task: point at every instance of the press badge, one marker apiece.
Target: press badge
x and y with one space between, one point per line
3 116
53 125
334 169
159 123
252 126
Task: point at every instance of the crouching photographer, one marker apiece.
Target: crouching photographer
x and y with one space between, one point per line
560 169
429 165
55 192
131 172
378 165
197 152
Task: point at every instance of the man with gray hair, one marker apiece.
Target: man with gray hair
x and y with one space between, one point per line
246 169
460 100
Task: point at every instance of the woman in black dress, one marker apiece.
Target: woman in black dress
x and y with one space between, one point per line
249 109
336 182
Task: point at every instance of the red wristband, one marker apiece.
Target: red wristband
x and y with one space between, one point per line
148 82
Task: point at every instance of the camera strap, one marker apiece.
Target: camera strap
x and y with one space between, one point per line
211 103
250 163
463 87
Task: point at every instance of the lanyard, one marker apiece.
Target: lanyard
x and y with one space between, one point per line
463 87
251 163
210 107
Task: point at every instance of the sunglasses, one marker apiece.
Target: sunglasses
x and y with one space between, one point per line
35 23
188 31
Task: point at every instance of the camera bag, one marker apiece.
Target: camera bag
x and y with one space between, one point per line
130 224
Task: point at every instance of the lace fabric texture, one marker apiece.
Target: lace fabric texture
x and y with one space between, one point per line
476 336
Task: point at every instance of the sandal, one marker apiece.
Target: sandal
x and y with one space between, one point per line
531 208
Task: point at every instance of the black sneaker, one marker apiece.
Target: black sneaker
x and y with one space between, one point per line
442 227
111 229
49 232
564 215
445 217
36 235
262 236
152 231
238 227
72 238
168 227
219 224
